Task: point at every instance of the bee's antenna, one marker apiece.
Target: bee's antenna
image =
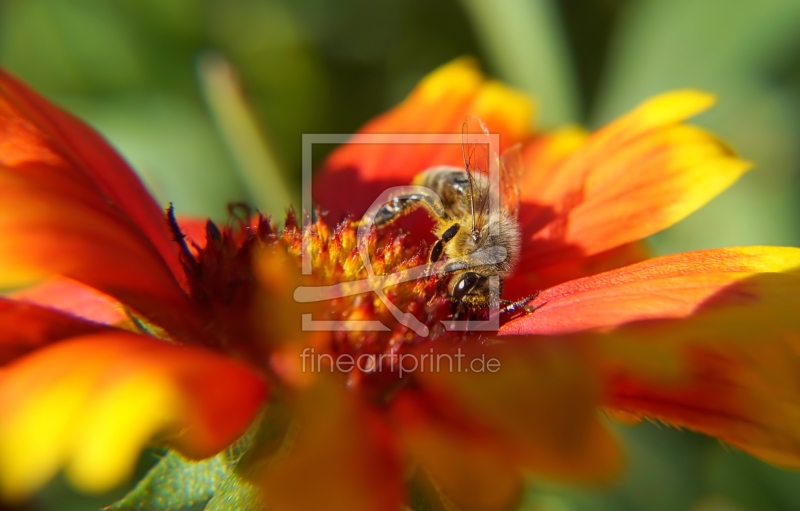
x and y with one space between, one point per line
469 175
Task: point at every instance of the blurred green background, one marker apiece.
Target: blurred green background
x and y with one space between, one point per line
146 73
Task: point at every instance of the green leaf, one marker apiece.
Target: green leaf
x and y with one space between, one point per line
179 484
235 494
176 483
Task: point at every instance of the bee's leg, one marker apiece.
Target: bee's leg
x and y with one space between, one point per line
394 209
401 205
438 247
458 309
521 305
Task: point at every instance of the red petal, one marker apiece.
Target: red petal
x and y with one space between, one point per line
195 231
524 283
87 153
75 299
91 404
439 104
673 286
69 206
25 327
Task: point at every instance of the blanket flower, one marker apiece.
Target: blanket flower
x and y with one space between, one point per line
132 327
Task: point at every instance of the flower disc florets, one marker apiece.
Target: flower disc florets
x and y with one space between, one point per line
223 281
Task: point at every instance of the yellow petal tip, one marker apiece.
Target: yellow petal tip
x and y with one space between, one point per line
459 76
674 106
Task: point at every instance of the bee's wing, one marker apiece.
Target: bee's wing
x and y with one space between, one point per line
477 156
510 176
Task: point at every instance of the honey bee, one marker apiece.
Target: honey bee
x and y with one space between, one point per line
478 238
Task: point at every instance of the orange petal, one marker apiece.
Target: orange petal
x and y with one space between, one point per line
539 402
468 468
542 157
439 104
69 206
633 178
673 286
25 327
91 403
342 459
740 377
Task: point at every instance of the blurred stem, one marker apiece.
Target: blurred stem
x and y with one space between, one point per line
525 40
254 161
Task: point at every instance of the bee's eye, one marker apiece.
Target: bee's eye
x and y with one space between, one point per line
465 284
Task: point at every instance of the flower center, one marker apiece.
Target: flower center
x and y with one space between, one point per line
353 305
